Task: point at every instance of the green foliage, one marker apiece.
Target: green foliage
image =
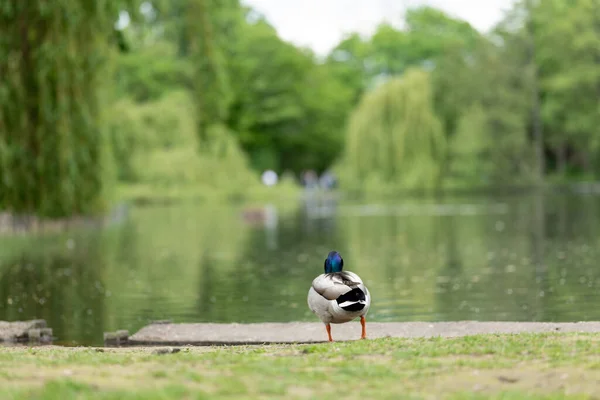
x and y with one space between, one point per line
349 63
139 129
171 131
156 144
148 73
528 88
394 136
431 32
51 137
203 85
288 112
469 149
206 24
570 108
503 127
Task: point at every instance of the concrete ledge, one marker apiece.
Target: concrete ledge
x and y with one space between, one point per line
34 331
209 334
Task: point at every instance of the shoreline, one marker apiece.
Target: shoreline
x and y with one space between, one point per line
215 334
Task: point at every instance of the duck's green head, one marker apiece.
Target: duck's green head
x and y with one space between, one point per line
334 262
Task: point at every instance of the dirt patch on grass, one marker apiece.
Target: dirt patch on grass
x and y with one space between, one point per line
534 379
300 392
374 358
112 377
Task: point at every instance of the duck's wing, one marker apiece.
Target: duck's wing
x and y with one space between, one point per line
332 286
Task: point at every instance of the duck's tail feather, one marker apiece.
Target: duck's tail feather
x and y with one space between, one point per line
354 300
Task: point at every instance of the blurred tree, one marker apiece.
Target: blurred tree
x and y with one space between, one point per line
447 46
535 95
150 72
497 95
286 110
391 51
498 116
432 41
568 34
431 31
530 88
351 64
177 72
394 136
51 143
289 112
210 26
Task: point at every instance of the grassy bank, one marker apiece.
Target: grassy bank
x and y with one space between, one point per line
495 366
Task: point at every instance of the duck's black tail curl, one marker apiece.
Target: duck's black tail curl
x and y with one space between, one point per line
354 300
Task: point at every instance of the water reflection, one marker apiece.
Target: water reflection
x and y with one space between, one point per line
518 258
58 280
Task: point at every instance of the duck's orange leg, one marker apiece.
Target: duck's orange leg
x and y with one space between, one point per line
363 322
328 327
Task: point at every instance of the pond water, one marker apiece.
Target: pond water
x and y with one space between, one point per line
518 258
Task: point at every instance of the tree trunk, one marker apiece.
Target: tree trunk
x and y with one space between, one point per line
538 134
561 159
585 160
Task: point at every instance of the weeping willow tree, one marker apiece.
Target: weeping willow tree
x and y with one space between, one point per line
212 26
52 55
394 137
205 24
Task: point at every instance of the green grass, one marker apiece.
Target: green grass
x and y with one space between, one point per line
537 366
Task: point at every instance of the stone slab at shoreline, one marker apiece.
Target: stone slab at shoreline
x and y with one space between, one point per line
210 334
33 331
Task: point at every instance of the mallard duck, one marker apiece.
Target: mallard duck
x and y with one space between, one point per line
339 296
